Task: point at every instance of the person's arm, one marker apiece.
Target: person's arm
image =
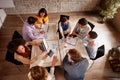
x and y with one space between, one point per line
32 36
33 59
54 61
85 41
61 30
43 59
69 28
32 43
75 31
21 59
46 19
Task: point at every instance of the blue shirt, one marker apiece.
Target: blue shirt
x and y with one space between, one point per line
91 50
75 71
64 27
29 32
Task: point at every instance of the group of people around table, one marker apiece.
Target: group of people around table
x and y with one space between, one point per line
74 64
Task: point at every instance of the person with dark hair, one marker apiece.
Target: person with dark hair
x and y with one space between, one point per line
64 28
29 31
41 73
91 44
82 28
42 17
21 50
74 65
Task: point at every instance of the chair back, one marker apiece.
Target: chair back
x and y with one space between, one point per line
16 35
61 16
91 25
10 55
100 51
10 58
102 47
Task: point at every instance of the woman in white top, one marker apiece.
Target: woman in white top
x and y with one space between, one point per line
64 28
41 73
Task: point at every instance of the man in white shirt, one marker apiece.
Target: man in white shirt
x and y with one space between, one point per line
91 44
82 28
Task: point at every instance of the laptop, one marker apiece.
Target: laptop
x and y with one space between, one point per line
44 45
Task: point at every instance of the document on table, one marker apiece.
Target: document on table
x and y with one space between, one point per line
72 41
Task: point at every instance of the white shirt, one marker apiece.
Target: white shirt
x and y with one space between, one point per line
82 31
92 50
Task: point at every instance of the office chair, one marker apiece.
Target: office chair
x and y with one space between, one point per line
91 25
61 16
100 52
10 55
16 35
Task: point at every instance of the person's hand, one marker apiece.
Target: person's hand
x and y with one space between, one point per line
54 61
65 39
70 35
45 56
27 44
33 60
91 43
37 43
42 31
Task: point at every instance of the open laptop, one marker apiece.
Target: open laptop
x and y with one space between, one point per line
44 45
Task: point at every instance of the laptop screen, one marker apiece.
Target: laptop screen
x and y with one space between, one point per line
44 45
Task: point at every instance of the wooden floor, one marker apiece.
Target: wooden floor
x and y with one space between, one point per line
100 70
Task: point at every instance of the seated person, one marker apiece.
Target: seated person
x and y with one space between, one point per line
82 28
29 31
64 27
91 44
41 73
74 65
21 50
42 17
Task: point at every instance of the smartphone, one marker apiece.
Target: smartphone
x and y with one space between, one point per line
50 53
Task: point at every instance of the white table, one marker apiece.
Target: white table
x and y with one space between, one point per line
59 48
